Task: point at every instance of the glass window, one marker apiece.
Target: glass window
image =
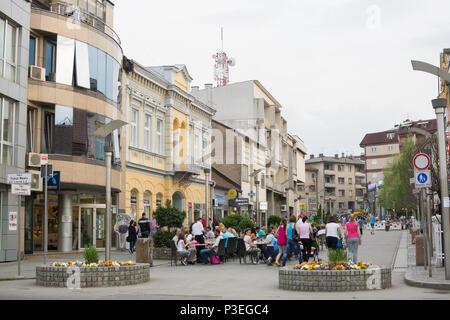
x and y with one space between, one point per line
65 55
2 39
92 6
109 77
133 202
92 51
134 123
159 200
47 133
101 72
148 131
159 136
32 56
11 52
82 64
63 130
95 144
50 50
31 127
117 73
147 203
7 130
79 139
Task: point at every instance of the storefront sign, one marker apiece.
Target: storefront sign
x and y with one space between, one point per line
19 178
54 181
21 189
238 202
12 221
263 205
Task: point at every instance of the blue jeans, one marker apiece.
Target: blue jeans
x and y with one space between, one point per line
204 254
292 244
185 252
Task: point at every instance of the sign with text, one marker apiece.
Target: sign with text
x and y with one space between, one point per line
238 202
19 178
12 219
21 189
263 205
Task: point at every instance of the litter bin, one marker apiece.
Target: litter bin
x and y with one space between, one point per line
414 233
143 254
420 259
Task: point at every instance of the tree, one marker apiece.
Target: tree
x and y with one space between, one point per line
237 222
169 216
274 221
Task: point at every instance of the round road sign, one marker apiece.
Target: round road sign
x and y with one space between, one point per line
421 161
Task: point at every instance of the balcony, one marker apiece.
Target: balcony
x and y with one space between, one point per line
193 169
73 12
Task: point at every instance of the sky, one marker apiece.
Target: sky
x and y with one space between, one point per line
339 68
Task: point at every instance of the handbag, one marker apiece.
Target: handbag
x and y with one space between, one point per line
295 235
215 260
128 239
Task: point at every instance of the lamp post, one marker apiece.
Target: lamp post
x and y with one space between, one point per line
103 132
439 106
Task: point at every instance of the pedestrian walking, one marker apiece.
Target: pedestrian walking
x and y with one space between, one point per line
372 224
280 234
333 232
361 224
293 237
132 236
353 239
144 226
306 234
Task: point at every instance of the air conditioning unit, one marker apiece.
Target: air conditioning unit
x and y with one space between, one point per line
283 207
36 181
215 203
37 159
36 73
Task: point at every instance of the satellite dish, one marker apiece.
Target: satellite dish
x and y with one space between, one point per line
232 62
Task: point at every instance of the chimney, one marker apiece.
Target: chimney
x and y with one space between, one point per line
208 88
351 157
311 156
343 155
336 156
194 89
321 155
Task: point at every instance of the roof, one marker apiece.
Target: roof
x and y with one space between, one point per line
335 160
401 129
223 181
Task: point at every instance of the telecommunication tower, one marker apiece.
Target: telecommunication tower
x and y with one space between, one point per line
222 64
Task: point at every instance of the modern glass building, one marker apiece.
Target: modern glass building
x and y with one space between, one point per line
14 34
74 87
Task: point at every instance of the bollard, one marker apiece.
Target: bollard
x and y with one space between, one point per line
420 259
143 250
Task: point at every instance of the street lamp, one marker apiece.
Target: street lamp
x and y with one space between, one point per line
439 106
255 173
103 132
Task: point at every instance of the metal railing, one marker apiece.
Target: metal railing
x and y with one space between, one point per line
74 12
438 254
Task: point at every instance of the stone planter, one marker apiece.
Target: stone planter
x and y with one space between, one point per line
335 280
161 253
49 276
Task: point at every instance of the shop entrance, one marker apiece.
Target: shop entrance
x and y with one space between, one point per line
91 229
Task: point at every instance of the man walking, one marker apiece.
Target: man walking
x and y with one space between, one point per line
144 226
197 231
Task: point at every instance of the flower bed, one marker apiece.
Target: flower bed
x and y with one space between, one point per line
342 277
102 274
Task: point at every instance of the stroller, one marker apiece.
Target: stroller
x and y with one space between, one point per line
315 246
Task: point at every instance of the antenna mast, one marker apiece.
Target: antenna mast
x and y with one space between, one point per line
222 64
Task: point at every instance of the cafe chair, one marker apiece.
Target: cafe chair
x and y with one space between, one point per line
175 255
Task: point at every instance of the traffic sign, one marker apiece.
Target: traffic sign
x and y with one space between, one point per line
421 161
422 179
232 193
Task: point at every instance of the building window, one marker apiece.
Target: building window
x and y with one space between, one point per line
31 129
351 193
8 50
47 133
134 124
341 193
312 188
133 202
159 200
148 138
340 167
32 55
374 149
312 175
159 136
390 147
244 173
312 200
374 161
390 136
349 168
196 148
341 180
350 180
205 151
147 203
7 131
50 61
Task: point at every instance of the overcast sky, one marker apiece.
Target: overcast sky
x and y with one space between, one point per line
340 68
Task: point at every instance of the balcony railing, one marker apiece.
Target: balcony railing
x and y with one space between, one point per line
74 12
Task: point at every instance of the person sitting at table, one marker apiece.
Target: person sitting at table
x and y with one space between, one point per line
252 233
269 246
210 248
224 233
233 232
249 245
191 248
260 232
177 235
181 248
209 233
188 236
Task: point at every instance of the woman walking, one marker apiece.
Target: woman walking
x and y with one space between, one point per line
132 236
293 238
353 239
332 232
281 241
306 234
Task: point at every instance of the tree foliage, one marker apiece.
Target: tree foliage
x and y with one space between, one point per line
169 216
238 222
274 221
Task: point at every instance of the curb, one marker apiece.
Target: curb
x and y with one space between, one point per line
396 252
425 284
17 278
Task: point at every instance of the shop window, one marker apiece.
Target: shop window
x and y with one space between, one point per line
87 198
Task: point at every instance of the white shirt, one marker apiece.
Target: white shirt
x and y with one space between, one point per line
246 238
299 222
320 232
189 237
197 229
216 243
332 229
180 245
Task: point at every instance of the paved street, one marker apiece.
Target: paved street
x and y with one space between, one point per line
225 281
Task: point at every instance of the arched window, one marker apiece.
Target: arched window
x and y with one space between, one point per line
147 203
178 200
159 197
134 202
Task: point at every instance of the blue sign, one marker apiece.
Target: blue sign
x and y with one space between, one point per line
422 178
54 181
251 194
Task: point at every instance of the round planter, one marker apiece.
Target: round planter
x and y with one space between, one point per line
84 277
334 280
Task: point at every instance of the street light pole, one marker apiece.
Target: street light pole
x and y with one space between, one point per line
439 106
108 156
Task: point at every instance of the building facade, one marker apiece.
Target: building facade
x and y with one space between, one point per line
74 88
14 46
340 182
168 142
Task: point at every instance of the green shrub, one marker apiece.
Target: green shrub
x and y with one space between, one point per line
90 254
273 221
161 239
337 256
245 223
169 216
232 221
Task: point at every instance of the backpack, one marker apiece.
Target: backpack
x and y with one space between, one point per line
123 228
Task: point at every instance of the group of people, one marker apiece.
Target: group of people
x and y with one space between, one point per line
144 228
